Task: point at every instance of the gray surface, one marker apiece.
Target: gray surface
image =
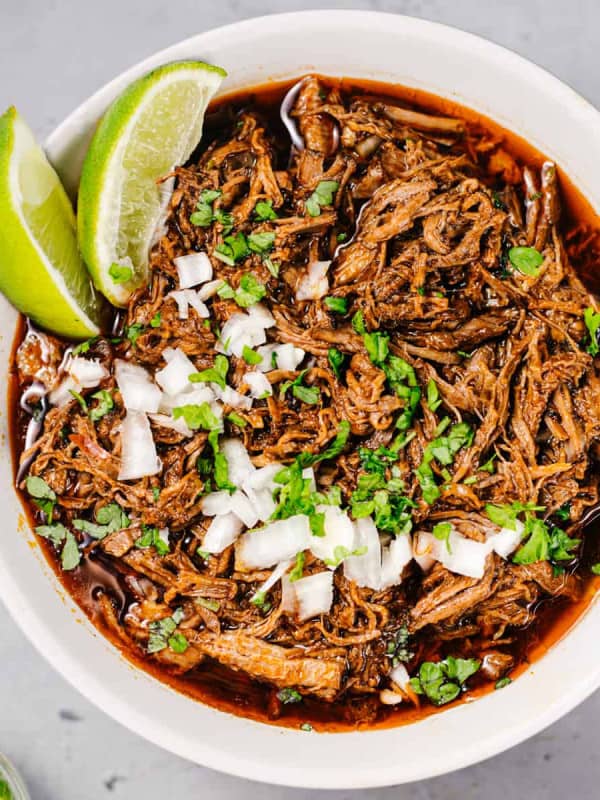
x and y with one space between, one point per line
53 54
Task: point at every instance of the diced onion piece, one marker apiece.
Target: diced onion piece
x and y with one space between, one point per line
424 547
209 289
243 509
273 543
263 478
280 356
138 451
462 556
232 398
137 389
216 503
506 541
222 532
394 559
86 372
193 269
174 378
257 383
188 297
165 421
339 532
260 315
62 394
399 675
238 461
262 502
308 597
314 284
365 570
390 698
241 330
275 576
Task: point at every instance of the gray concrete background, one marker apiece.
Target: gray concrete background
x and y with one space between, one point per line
53 54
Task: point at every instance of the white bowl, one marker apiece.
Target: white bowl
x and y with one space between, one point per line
521 97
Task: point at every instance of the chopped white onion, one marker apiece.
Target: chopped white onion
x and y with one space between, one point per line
137 389
263 478
273 543
506 541
174 378
308 597
86 372
262 502
314 284
138 451
365 570
394 559
238 461
275 576
280 356
399 675
221 532
260 315
165 421
208 290
232 398
258 384
243 509
458 554
188 297
339 532
424 546
193 269
62 394
241 330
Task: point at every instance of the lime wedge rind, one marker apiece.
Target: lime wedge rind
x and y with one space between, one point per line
41 272
153 126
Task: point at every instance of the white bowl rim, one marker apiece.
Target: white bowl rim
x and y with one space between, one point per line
52 646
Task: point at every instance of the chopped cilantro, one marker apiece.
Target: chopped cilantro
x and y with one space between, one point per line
109 518
500 684
83 347
80 399
155 321
397 648
595 568
322 196
340 553
489 464
215 374
505 516
250 356
197 416
527 260
261 242
151 538
103 406
287 696
233 249
264 211
336 359
337 304
43 496
119 273
163 634
296 572
211 605
442 681
58 534
250 291
237 420
442 532
307 394
203 215
133 332
433 395
442 449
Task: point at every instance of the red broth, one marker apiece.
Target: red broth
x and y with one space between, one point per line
235 692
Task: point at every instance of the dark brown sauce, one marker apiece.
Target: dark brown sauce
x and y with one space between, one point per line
235 692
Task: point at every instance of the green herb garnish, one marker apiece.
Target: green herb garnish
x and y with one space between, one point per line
103 406
442 681
322 196
592 323
119 273
527 260
264 211
151 538
337 304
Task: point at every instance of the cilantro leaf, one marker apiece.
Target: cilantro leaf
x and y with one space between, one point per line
250 356
442 532
119 273
307 394
70 556
592 323
263 211
261 242
527 260
287 696
215 374
151 538
104 405
336 360
322 196
296 572
434 400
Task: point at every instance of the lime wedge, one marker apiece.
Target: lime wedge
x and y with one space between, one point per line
152 127
41 272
